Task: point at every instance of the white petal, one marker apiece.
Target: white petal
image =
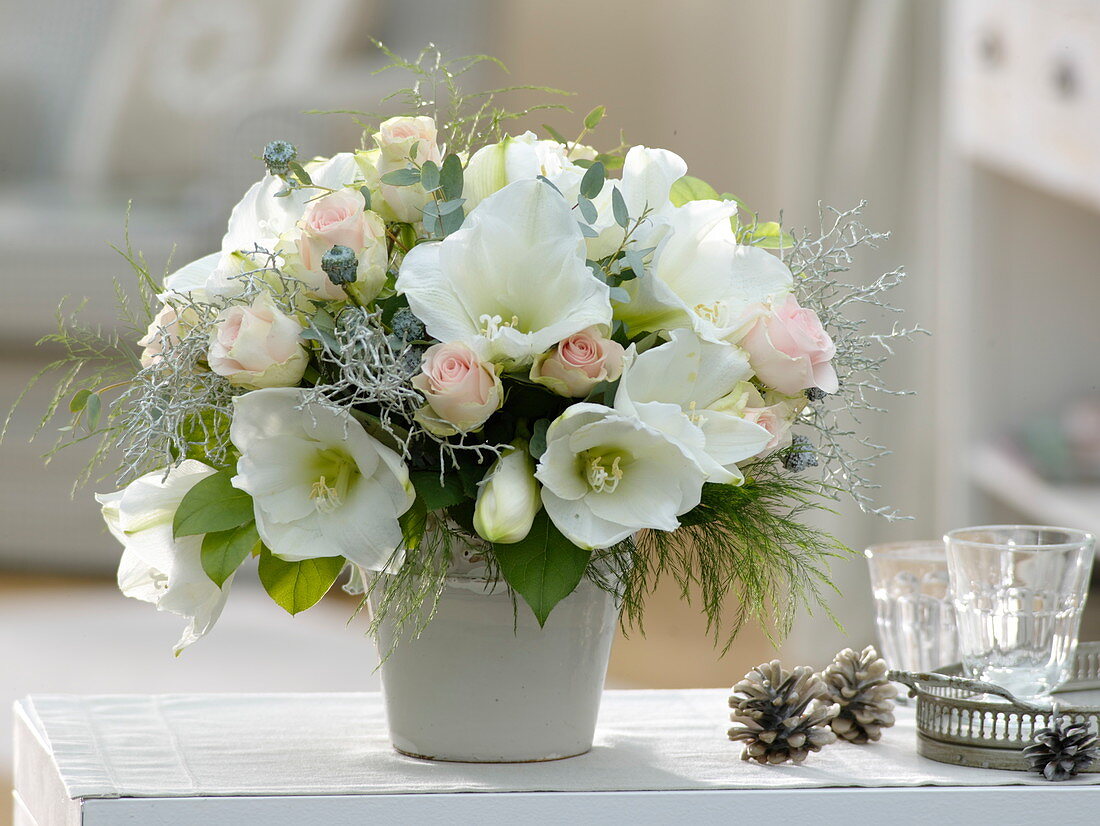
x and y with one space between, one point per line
580 526
648 175
192 277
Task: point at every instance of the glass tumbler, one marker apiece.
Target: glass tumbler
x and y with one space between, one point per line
1019 592
914 614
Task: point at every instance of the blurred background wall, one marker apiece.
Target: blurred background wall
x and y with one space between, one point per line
968 125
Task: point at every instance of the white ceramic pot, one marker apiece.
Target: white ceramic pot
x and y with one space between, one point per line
484 684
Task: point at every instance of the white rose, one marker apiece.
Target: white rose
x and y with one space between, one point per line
339 219
257 346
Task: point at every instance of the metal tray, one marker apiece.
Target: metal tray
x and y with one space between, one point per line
970 723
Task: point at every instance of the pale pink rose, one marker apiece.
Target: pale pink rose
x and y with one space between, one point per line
790 351
396 136
579 363
163 330
340 218
257 346
461 390
776 419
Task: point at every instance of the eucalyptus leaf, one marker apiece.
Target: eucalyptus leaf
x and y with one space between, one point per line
549 183
588 209
402 177
618 208
543 568
587 231
224 551
429 176
450 177
365 192
414 150
212 505
452 221
593 180
93 408
296 586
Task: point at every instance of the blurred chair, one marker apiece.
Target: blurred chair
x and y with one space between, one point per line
165 103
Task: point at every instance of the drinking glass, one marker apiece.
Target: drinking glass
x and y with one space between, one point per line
1019 592
914 615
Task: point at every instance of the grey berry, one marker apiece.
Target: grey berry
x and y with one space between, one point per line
278 155
340 265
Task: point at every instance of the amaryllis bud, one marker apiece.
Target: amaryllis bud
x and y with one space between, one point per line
340 265
278 155
508 498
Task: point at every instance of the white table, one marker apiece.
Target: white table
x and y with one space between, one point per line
301 759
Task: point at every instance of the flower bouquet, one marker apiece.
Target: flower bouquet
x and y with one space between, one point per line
467 365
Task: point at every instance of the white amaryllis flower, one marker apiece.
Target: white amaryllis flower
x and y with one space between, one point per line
606 475
156 567
512 282
698 381
702 279
322 486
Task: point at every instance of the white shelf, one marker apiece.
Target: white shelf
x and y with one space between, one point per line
1002 475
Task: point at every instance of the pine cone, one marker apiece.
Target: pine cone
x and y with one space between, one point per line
770 710
857 683
1062 750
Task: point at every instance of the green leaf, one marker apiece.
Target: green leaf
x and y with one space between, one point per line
365 192
450 177
543 568
224 551
429 176
612 162
554 133
593 118
212 505
729 196
93 406
537 446
689 188
588 209
79 400
322 327
618 208
296 586
402 177
300 172
413 523
768 235
587 231
414 150
593 180
435 495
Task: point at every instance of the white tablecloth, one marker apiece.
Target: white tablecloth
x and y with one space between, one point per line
336 744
